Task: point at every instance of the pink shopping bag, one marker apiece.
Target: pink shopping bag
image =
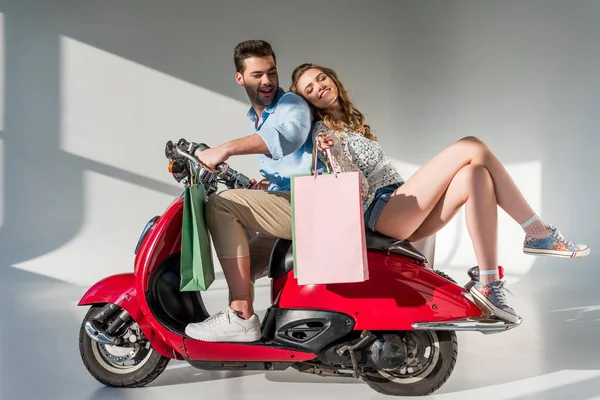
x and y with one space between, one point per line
328 228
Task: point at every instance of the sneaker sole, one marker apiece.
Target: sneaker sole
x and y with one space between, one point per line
492 308
246 338
558 253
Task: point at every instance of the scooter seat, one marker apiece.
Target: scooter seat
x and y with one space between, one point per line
377 241
282 256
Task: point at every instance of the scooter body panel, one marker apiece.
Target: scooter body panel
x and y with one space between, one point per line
397 294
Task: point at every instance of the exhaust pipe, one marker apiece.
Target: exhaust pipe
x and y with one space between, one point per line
484 325
99 336
107 336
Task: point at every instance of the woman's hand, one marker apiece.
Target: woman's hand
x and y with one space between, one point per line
325 141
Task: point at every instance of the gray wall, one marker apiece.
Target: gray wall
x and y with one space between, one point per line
522 75
93 90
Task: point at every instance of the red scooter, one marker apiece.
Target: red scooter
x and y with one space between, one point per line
396 331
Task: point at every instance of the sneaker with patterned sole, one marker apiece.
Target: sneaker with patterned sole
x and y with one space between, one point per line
491 298
554 245
226 326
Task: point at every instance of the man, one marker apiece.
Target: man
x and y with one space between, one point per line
280 123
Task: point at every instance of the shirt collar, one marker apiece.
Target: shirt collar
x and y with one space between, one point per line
271 107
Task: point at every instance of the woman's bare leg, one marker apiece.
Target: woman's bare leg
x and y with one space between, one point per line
410 205
472 185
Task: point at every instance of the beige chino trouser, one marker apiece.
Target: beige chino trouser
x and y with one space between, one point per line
232 214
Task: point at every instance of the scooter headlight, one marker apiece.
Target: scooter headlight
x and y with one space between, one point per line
147 228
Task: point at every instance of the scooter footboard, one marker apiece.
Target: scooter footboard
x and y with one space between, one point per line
120 290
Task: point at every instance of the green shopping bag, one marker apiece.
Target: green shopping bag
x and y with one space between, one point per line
197 269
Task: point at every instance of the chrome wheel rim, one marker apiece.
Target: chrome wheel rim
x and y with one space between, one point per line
120 359
423 350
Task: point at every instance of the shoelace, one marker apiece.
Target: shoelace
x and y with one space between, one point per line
559 235
555 231
498 289
218 317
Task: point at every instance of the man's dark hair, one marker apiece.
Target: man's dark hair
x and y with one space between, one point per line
251 48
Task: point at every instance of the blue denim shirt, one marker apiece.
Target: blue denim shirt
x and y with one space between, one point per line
285 128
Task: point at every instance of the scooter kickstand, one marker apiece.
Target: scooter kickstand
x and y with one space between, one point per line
366 336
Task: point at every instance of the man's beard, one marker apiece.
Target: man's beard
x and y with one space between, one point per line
256 98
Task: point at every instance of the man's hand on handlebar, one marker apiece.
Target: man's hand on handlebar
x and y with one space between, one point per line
262 185
188 158
212 157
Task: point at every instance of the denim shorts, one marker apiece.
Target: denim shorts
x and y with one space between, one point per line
382 196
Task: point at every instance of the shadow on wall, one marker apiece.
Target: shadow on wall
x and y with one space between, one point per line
439 93
44 184
442 73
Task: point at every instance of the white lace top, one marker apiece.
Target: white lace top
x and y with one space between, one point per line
354 152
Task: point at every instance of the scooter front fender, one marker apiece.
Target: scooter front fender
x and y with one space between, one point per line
120 290
116 289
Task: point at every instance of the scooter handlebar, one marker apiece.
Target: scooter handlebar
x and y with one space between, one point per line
187 150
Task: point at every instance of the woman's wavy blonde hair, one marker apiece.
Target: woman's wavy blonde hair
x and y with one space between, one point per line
352 118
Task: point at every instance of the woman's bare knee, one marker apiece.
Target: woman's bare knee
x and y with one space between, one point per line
476 149
471 176
471 139
468 179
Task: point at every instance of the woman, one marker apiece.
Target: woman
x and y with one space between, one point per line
467 172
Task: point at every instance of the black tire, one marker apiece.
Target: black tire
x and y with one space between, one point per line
430 380
147 370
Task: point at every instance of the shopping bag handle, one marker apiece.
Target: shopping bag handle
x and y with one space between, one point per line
328 151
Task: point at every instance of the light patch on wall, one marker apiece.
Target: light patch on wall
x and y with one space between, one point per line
2 69
1 183
454 250
121 113
114 214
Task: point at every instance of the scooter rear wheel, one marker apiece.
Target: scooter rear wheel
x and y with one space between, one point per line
132 365
434 357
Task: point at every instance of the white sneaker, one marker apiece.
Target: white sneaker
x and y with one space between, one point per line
226 326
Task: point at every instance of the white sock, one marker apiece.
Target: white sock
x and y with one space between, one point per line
488 276
535 228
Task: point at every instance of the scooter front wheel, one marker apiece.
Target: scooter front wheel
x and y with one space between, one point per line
431 359
125 365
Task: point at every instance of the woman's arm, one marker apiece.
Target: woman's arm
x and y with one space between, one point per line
341 159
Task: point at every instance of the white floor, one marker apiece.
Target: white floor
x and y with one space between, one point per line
553 355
